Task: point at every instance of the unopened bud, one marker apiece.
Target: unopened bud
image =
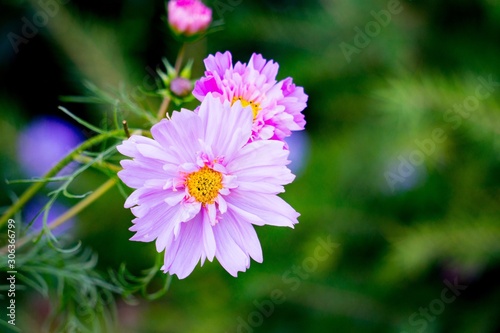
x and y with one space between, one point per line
181 86
188 17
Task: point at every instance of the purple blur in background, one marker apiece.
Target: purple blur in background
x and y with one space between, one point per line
299 146
36 205
45 141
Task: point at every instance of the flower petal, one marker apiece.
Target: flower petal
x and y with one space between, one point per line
209 244
234 121
179 136
185 252
280 104
245 236
228 253
270 208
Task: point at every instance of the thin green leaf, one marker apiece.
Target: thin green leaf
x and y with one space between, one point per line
81 121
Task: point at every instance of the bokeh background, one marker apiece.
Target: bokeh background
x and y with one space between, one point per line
411 210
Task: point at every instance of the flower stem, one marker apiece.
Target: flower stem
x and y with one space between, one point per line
180 58
82 204
99 165
71 212
162 112
37 186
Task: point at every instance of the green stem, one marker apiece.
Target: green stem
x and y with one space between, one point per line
71 212
180 58
33 189
162 112
99 164
82 204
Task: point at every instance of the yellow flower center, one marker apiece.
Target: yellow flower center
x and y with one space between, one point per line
204 185
255 107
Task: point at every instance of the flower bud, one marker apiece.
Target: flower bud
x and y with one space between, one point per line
188 17
181 86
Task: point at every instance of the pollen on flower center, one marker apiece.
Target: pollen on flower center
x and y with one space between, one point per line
204 185
255 107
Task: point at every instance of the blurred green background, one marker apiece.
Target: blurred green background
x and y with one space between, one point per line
401 159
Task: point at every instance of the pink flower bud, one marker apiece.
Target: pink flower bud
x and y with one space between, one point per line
188 17
181 86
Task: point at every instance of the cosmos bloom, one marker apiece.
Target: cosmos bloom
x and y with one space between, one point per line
200 187
188 17
276 106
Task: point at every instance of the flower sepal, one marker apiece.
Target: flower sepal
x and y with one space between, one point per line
178 88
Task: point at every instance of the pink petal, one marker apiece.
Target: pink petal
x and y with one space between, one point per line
136 172
129 146
270 208
180 135
216 116
156 223
219 63
244 235
229 254
208 238
185 252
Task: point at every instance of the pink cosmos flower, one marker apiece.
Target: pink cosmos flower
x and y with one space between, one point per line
200 187
276 106
188 17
